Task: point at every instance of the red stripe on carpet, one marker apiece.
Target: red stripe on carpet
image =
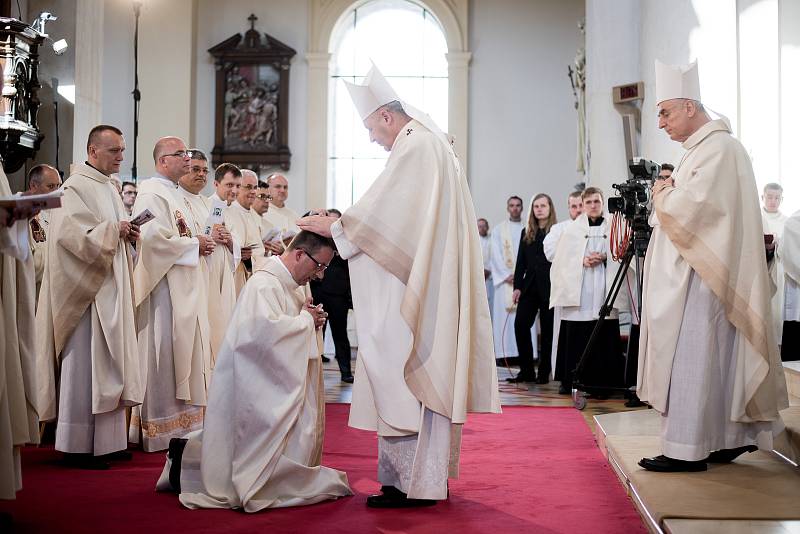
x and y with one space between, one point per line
528 470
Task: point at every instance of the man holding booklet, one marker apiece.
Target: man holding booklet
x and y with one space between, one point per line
85 317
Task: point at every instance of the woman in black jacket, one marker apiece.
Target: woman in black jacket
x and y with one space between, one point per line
532 291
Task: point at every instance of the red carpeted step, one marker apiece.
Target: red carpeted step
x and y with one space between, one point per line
528 470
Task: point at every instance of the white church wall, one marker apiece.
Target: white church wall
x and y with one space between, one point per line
612 58
789 17
522 130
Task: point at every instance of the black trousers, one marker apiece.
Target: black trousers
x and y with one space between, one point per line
790 345
531 303
337 307
605 364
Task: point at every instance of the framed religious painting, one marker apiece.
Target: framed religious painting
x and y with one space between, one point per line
252 101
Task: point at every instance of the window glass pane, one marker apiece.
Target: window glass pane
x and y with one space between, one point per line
343 63
435 91
434 61
340 188
364 173
408 45
344 120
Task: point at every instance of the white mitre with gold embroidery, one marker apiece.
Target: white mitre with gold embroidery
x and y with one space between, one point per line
677 81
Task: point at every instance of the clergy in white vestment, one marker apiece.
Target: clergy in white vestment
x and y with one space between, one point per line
504 246
486 254
708 361
773 221
245 226
19 421
575 208
425 341
579 281
220 264
174 339
261 444
280 215
789 253
260 208
86 318
42 179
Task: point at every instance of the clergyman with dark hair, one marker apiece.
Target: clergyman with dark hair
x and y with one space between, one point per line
268 457
85 320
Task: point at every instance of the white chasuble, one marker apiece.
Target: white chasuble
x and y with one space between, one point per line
706 256
261 445
284 218
425 348
219 266
19 423
174 341
86 319
244 226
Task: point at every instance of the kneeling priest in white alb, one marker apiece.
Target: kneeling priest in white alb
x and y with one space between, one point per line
261 444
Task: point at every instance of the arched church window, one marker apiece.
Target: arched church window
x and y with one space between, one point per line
408 45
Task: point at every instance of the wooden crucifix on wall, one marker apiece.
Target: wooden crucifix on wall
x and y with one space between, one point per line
252 101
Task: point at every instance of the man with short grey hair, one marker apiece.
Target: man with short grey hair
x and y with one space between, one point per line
245 227
280 215
708 358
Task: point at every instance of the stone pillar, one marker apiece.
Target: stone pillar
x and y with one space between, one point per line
88 75
317 129
458 101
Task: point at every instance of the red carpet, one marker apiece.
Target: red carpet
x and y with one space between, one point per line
532 470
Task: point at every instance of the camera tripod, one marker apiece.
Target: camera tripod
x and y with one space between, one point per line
634 252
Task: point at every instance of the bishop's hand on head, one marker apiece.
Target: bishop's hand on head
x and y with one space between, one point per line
318 224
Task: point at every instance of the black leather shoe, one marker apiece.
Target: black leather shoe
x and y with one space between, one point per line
85 461
665 464
325 359
175 453
520 378
543 379
564 390
726 456
391 497
348 379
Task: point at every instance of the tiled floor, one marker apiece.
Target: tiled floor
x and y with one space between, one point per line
526 394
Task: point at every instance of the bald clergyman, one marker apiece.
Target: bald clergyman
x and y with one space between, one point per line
708 361
173 330
426 353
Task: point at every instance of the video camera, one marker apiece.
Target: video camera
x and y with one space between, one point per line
634 194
